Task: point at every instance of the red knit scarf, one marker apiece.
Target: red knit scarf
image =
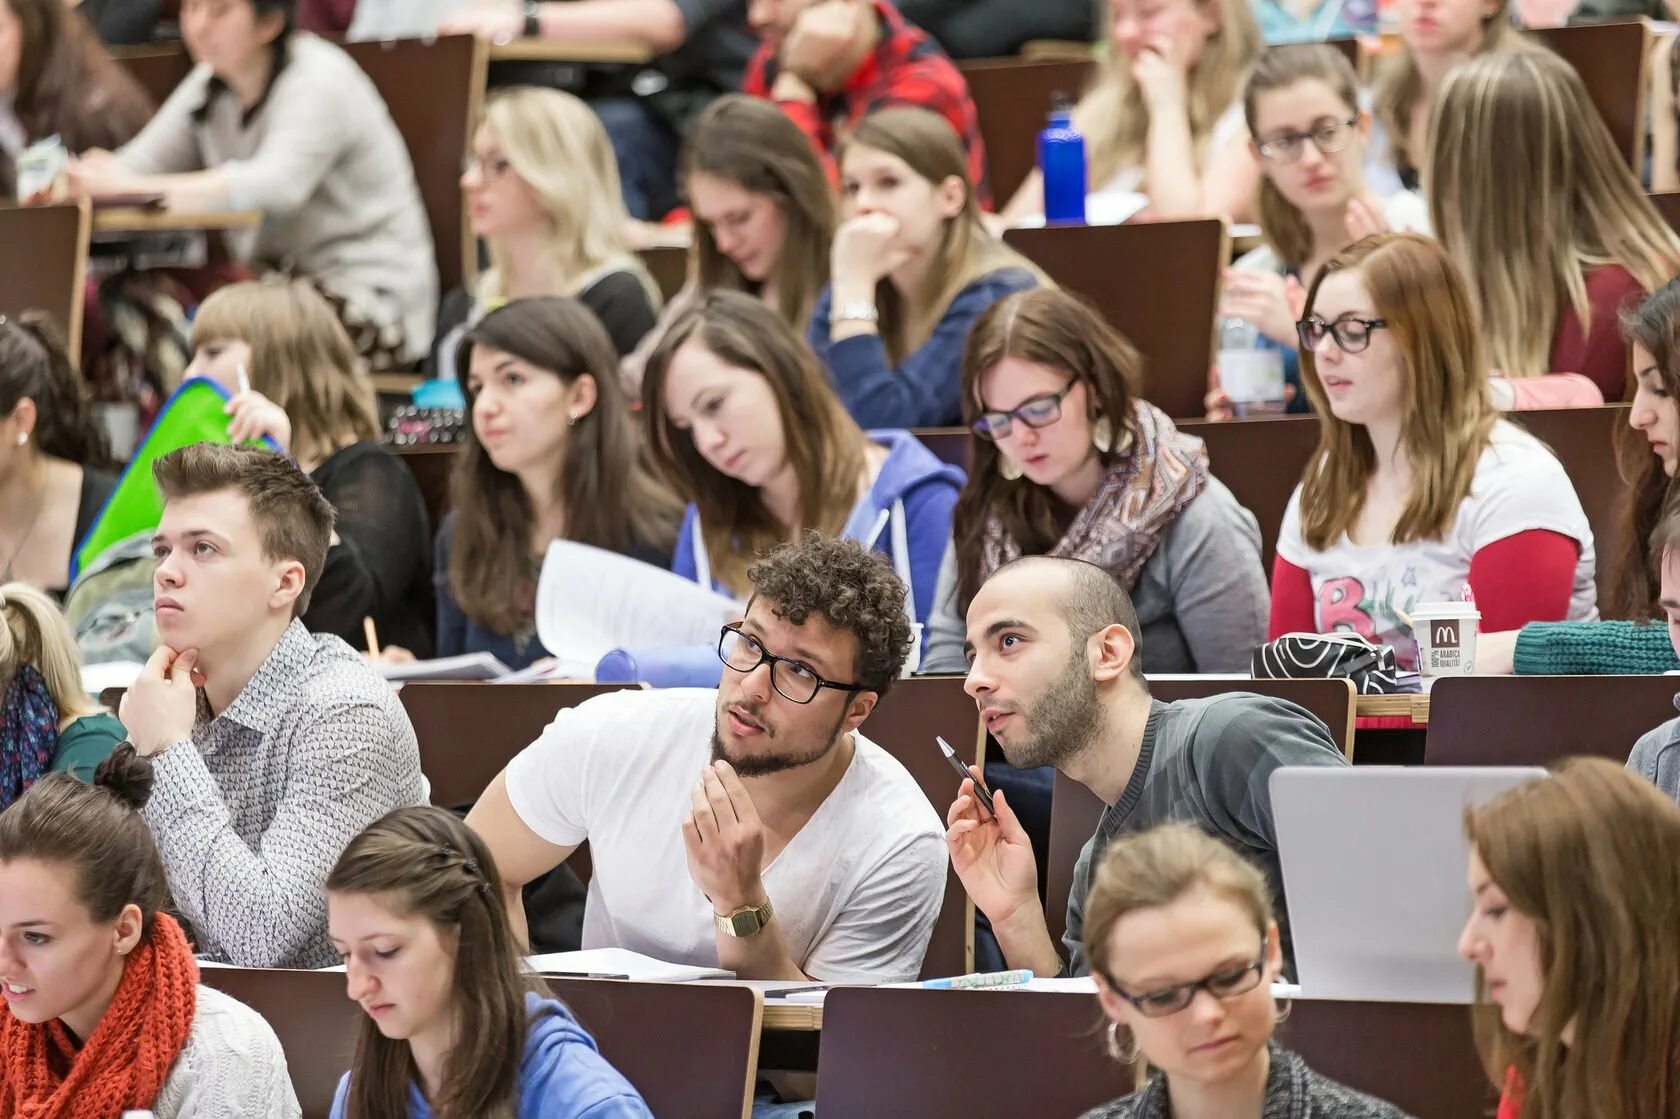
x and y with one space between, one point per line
124 1064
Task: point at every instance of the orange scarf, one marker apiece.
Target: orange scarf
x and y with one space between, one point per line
124 1064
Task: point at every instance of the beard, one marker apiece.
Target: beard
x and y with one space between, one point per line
1062 721
801 751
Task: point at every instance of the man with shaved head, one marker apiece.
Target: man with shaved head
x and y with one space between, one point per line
1054 654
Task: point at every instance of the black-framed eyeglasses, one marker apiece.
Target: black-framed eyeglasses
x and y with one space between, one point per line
1351 334
1035 411
1328 137
1226 984
795 681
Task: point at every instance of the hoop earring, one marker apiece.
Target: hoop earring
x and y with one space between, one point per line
1102 435
1123 1054
1009 468
1285 1008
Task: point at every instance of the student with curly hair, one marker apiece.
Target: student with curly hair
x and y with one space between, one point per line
714 818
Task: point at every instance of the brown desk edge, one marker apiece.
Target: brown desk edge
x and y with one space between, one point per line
564 50
128 219
1412 705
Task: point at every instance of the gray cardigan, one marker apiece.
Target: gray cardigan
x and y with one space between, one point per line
1293 1091
323 161
1656 756
1201 598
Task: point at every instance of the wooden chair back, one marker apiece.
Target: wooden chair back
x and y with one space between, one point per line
1537 720
1012 98
47 251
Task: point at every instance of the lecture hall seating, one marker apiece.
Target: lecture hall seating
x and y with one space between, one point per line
54 242
1612 60
1537 720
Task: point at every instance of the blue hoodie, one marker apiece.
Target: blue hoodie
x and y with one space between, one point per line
914 489
563 1075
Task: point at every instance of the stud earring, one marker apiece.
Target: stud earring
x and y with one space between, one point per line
23 438
571 419
1102 435
1009 468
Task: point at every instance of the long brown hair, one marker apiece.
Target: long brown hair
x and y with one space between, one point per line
1065 333
750 142
1591 855
824 446
68 84
609 499
35 363
1285 227
1400 87
929 146
424 862
1526 118
1654 326
1448 419
1114 117
301 358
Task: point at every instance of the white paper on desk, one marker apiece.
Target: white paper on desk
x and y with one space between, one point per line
111 674
621 961
467 666
591 601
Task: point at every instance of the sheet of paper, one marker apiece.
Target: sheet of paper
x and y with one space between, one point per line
467 666
112 674
622 961
591 601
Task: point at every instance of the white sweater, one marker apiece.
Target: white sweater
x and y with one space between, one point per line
231 1067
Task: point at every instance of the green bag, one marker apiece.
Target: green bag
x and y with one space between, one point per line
193 414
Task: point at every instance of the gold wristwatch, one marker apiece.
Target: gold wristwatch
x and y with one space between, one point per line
745 922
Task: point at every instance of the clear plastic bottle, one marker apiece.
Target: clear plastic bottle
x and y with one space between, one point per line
1251 374
1061 163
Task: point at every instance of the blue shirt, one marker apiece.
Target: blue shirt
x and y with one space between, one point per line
1332 19
926 388
562 1075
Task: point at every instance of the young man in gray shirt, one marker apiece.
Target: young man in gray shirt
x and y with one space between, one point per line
1054 652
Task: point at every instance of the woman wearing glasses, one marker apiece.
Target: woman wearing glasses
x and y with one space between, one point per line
542 192
1183 950
743 424
1310 137
1068 462
1418 490
1547 277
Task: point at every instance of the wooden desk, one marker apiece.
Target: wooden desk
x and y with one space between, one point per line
568 50
801 1017
1411 705
125 219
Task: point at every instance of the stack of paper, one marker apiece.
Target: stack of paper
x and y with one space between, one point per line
621 963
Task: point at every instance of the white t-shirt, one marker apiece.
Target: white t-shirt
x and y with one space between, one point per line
1518 486
856 891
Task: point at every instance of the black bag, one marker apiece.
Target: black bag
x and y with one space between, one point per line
1317 656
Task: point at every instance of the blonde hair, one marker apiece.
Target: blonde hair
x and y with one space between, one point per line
928 144
1526 118
1114 118
1400 87
1591 855
36 633
1283 225
301 359
1448 419
1150 869
556 144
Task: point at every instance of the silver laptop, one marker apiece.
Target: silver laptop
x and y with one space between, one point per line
1374 874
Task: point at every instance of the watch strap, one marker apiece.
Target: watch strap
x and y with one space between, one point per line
745 922
533 19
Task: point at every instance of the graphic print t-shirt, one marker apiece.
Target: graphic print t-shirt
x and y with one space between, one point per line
1519 486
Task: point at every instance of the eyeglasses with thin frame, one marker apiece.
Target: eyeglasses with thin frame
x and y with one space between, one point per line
489 168
1328 137
1226 984
1352 335
792 679
1035 411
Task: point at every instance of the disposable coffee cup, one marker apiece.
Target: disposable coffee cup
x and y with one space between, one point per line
1446 638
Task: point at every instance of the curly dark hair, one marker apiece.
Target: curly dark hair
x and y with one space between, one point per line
850 587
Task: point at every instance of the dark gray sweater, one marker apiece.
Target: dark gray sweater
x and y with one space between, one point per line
1293 1091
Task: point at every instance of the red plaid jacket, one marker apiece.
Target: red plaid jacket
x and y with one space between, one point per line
906 68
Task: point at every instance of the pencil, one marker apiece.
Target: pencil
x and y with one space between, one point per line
244 379
372 636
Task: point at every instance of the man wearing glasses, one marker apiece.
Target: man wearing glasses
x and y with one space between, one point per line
749 828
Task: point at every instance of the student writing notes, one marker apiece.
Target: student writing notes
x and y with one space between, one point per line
1575 895
104 1011
1417 487
1184 951
453 1026
751 828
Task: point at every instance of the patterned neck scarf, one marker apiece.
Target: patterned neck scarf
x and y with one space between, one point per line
1144 489
28 733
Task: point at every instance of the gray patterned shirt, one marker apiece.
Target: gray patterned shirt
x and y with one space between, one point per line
250 820
1293 1091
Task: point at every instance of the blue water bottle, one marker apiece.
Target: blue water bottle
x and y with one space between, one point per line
1061 162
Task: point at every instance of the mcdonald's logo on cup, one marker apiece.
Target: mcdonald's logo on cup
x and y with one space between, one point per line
1446 638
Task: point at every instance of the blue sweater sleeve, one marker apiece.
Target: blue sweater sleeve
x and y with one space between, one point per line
927 513
682 558
926 389
451 622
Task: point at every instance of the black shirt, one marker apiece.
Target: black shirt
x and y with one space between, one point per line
381 568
